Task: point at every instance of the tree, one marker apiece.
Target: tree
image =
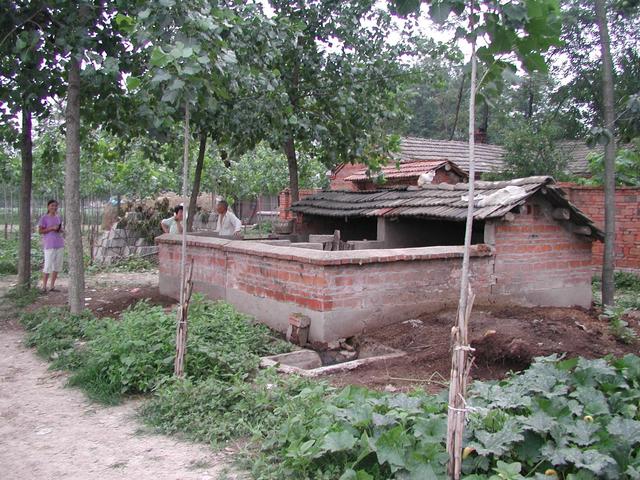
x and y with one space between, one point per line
531 149
525 29
338 83
608 262
24 88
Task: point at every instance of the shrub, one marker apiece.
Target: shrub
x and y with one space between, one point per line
136 354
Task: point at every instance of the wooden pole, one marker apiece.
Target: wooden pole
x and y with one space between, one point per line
185 290
460 361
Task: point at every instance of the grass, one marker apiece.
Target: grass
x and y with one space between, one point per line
129 264
22 297
9 254
113 358
627 298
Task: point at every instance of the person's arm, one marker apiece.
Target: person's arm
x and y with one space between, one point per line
163 225
42 229
179 224
237 225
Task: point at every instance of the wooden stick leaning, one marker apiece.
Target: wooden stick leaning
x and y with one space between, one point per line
182 328
460 363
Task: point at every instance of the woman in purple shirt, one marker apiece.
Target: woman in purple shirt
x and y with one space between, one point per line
50 227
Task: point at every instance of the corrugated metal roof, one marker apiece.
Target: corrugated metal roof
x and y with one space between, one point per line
408 169
441 201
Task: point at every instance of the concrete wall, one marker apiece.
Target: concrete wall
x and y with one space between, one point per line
343 292
591 201
538 261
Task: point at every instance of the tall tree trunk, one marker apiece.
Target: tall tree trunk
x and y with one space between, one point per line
455 121
24 250
193 201
292 161
72 190
608 264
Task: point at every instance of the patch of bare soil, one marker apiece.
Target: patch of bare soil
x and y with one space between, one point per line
504 340
108 294
48 431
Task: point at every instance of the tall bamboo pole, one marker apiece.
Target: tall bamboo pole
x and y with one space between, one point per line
181 331
460 362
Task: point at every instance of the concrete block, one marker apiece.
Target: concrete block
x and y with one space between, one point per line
307 245
365 244
298 330
277 243
320 238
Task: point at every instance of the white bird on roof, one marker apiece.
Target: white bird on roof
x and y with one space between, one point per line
426 178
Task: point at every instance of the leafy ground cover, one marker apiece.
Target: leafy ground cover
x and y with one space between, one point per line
627 299
573 419
9 254
112 358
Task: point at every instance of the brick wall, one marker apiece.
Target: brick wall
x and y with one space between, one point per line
538 260
343 292
591 201
284 201
338 181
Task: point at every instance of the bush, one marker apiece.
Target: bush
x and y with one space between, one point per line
627 281
136 353
9 255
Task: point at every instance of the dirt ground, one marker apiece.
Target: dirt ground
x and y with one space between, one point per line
50 431
504 340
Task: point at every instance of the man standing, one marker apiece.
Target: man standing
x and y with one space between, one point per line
228 224
173 224
50 227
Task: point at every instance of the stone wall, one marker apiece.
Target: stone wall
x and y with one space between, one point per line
119 243
591 201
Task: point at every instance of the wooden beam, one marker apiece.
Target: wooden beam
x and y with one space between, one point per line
581 230
561 214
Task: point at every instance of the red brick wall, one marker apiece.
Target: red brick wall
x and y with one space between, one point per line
343 292
536 256
284 201
338 181
591 201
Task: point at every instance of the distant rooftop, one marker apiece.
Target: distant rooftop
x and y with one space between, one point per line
488 157
408 169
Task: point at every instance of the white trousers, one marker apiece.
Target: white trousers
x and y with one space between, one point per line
53 260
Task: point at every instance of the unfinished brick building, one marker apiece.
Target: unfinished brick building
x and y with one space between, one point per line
531 247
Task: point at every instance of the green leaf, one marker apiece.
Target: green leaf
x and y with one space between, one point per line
159 58
390 447
133 83
626 428
351 474
497 443
339 441
440 10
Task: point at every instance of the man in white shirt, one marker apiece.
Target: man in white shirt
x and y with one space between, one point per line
173 224
228 224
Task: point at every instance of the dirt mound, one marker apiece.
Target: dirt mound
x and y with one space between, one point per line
504 340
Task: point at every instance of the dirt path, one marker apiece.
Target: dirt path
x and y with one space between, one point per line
48 431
